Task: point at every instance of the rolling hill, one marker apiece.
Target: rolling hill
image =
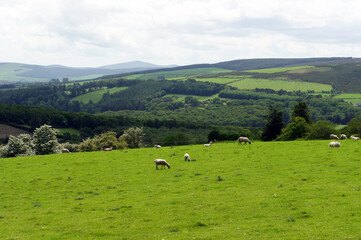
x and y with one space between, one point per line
18 72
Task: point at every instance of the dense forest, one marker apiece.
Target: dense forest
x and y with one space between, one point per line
157 99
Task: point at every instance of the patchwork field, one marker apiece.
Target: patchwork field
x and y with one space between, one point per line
282 69
96 96
350 97
275 190
252 83
178 73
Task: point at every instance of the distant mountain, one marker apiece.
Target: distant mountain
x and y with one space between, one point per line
135 65
19 72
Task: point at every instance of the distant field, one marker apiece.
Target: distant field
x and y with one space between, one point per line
62 131
86 77
277 70
6 131
266 190
350 97
181 97
178 73
96 96
252 83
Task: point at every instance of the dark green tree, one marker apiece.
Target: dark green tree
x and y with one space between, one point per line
321 130
274 124
301 110
298 128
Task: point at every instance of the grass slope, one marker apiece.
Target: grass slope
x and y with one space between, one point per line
96 96
350 97
252 83
177 73
275 190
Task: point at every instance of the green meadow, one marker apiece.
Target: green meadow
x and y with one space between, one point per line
350 97
96 96
282 69
178 73
266 190
252 83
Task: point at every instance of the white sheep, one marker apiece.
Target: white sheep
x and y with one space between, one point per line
354 138
187 157
161 162
243 139
65 150
334 136
343 136
334 144
208 144
108 149
157 146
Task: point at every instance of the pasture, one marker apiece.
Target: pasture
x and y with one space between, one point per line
252 83
266 190
178 73
96 96
350 97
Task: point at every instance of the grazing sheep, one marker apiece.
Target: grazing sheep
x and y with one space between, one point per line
208 144
333 136
243 139
343 136
354 138
162 164
65 150
187 157
157 146
108 149
334 144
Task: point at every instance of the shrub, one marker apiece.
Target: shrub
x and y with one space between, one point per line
321 130
298 128
18 146
134 137
45 141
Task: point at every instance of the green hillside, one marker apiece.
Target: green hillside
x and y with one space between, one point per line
96 96
274 190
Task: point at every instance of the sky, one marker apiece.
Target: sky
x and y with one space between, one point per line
92 33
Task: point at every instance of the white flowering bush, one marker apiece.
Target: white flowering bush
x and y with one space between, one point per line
45 141
21 145
134 137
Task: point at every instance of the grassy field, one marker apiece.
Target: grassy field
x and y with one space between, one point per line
178 73
274 190
282 69
350 97
181 97
252 83
62 131
96 95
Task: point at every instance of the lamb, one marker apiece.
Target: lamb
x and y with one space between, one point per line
343 136
108 149
161 162
157 146
334 136
334 144
65 150
243 139
208 144
187 157
354 138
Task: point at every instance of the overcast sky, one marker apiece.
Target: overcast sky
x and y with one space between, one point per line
90 33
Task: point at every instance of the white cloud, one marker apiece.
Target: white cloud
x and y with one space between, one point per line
94 33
